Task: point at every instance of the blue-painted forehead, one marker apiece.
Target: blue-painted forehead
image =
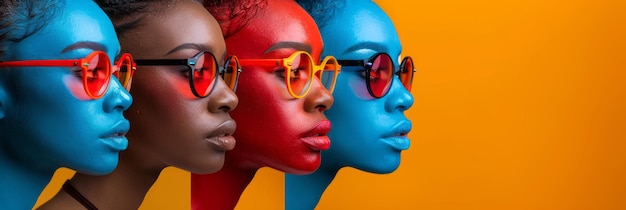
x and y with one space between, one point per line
69 23
21 19
356 29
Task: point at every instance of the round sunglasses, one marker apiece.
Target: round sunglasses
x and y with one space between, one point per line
379 71
299 70
96 70
203 70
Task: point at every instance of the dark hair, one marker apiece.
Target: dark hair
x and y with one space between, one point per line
233 15
20 19
129 14
322 11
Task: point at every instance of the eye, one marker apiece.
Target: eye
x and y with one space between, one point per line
375 75
94 74
294 75
78 72
199 73
297 73
184 72
203 74
280 73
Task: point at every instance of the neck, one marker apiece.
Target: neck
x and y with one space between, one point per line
305 191
20 185
124 188
221 190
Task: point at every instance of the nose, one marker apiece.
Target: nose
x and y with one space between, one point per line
318 98
222 99
398 98
117 99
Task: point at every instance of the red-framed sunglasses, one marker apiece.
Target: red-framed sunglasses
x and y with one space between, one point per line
96 70
379 71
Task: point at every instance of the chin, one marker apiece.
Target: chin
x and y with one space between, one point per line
301 166
384 165
205 168
98 172
99 168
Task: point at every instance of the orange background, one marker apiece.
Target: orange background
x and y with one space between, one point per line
519 104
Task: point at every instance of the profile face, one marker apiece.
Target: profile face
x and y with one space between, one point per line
50 120
274 128
368 133
171 126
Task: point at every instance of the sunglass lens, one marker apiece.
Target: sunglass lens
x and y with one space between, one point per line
329 75
204 74
97 75
299 76
231 73
406 75
381 75
125 72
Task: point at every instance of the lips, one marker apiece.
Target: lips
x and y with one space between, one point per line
317 138
115 139
222 137
398 142
398 139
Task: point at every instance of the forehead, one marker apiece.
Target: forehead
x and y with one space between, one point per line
360 30
186 22
281 22
77 21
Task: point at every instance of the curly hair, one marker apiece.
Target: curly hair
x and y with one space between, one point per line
20 19
233 15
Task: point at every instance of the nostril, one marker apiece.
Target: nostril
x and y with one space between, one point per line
321 107
225 109
402 108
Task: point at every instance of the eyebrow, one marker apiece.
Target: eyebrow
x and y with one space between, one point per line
367 45
293 45
82 45
201 48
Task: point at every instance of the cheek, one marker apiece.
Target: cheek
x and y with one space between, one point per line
262 100
179 84
183 89
159 81
166 119
154 106
353 102
158 95
265 114
356 121
355 85
75 87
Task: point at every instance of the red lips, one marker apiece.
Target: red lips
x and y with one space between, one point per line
317 138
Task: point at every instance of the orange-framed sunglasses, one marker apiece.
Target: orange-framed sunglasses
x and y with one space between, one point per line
96 70
299 69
